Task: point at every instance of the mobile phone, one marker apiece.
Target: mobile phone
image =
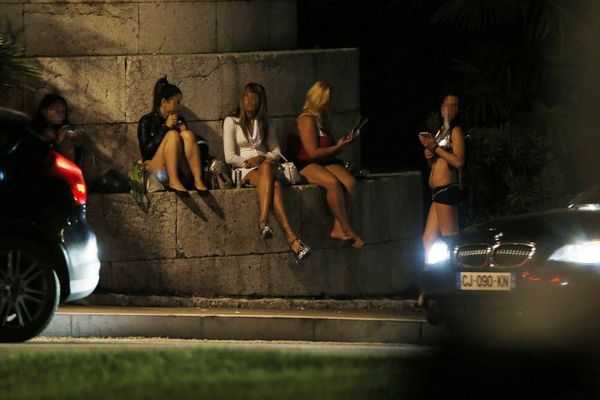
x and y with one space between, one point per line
355 131
426 135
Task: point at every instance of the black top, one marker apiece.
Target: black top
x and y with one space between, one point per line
151 131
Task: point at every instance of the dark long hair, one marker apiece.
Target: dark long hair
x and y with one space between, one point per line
163 90
39 119
261 115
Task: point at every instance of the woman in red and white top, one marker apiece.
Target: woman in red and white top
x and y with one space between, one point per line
316 160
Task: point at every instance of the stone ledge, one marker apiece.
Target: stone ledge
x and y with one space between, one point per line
207 245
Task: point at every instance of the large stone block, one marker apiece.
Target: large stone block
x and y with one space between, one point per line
340 125
284 24
11 23
81 29
242 25
331 272
125 232
380 269
110 146
389 208
237 70
94 87
291 76
225 222
178 28
212 133
196 75
208 276
389 268
340 68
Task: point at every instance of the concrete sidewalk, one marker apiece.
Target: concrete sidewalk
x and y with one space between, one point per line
382 326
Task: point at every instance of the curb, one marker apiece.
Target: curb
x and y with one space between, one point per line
237 324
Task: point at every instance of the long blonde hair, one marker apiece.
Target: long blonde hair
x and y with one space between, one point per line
317 96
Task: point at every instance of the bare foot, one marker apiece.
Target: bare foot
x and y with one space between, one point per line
295 246
357 241
338 232
339 235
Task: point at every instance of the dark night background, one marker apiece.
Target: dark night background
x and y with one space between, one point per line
400 55
524 71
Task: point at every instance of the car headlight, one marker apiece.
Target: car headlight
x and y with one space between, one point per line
581 253
438 253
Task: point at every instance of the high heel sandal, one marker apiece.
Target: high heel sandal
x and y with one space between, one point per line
303 251
265 231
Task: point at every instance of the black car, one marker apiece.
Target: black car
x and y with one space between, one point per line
533 276
48 252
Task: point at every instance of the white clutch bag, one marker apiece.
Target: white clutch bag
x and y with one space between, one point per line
289 172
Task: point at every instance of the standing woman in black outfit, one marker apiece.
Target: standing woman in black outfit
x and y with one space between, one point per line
445 153
167 143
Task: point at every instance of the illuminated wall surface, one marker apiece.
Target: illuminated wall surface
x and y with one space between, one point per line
105 57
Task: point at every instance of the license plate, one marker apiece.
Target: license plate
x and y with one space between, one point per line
485 281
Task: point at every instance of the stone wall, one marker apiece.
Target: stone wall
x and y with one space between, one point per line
124 27
208 246
105 55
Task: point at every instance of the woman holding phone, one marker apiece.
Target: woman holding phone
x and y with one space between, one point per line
166 142
315 157
445 153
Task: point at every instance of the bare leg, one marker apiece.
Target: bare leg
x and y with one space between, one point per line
280 213
192 156
447 219
262 179
318 175
168 154
257 178
349 184
432 229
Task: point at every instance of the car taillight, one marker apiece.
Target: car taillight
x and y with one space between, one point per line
72 174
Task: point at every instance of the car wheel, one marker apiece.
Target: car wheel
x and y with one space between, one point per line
29 292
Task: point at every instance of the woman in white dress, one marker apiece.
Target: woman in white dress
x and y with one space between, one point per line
251 148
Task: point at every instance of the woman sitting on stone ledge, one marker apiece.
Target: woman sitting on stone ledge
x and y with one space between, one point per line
314 155
252 149
51 122
166 142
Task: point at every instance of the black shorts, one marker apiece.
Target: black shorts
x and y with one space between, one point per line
448 194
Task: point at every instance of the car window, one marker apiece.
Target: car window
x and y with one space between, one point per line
10 137
588 198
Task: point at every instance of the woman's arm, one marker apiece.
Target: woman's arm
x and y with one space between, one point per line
455 159
229 144
274 152
309 138
149 136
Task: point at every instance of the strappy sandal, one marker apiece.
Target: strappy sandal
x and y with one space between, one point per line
303 251
265 231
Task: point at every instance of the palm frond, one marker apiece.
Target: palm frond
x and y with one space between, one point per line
15 71
478 15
